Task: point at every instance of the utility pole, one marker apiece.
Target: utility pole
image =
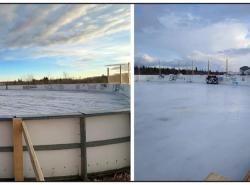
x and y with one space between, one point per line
178 67
226 66
192 67
208 67
159 67
139 72
120 74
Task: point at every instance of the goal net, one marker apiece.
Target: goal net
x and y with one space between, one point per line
118 73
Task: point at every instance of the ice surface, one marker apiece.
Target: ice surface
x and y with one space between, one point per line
32 102
186 131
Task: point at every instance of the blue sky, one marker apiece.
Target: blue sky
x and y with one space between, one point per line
52 39
175 35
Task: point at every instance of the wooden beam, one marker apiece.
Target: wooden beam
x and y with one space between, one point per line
247 177
34 161
17 149
215 177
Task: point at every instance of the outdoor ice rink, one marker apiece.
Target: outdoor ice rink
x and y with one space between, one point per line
185 131
33 102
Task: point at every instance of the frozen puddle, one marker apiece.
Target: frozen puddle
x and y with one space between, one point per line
28 102
186 131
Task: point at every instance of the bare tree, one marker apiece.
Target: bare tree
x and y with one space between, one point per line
65 75
29 77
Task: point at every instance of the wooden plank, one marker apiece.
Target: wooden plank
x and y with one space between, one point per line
215 177
247 177
17 149
34 161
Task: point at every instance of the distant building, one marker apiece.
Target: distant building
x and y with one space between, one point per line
244 69
247 72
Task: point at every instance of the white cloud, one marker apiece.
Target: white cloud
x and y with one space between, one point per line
148 58
8 12
174 21
209 38
187 37
44 25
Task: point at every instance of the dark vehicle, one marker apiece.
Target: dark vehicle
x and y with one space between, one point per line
212 79
161 76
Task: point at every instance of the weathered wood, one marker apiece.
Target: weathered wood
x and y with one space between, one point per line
215 177
247 177
18 149
34 161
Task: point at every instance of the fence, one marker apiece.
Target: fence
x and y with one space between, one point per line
64 147
226 80
95 87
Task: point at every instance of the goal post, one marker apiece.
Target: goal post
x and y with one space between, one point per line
118 73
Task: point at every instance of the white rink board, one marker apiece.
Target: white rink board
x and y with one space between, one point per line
226 80
5 133
55 163
66 130
108 157
6 167
107 127
109 88
54 131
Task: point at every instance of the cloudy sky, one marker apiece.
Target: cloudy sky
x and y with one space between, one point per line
174 35
48 40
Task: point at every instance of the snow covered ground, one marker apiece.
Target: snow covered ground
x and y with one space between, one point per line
186 131
33 102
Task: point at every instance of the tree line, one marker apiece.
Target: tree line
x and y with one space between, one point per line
46 80
144 70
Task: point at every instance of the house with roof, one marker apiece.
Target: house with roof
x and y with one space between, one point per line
245 70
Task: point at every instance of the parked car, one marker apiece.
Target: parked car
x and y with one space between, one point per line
212 79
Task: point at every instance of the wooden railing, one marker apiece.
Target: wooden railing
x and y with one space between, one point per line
19 130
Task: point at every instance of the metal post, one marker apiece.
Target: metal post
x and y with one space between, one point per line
139 72
108 74
120 73
226 66
192 67
208 67
128 73
159 68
